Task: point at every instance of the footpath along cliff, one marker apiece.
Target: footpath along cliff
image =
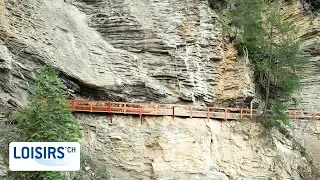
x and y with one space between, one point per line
157 51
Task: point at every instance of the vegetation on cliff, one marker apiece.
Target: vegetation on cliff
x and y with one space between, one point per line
272 45
46 119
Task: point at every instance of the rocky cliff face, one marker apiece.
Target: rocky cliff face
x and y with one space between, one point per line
168 51
310 86
162 148
309 25
307 134
163 51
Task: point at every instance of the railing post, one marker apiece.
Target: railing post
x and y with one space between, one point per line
190 111
140 113
125 108
156 109
90 106
172 112
208 113
313 116
74 114
295 114
251 110
289 114
110 115
240 113
225 113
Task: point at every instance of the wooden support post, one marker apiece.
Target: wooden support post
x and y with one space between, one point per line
172 112
241 113
190 111
251 110
208 113
110 115
225 113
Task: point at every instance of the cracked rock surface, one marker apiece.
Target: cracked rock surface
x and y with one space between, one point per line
309 25
161 51
162 148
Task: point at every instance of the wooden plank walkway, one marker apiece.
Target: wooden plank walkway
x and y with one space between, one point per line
224 113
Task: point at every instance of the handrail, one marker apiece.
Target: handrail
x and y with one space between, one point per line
225 113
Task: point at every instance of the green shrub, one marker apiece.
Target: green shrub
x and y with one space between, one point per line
103 174
35 175
49 120
278 115
46 119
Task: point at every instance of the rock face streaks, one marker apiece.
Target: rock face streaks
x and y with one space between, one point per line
169 51
162 148
162 51
310 94
309 26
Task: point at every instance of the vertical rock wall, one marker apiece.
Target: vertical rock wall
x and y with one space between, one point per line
162 51
307 134
162 148
309 25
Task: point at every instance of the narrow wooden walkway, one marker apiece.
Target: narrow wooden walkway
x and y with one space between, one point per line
224 113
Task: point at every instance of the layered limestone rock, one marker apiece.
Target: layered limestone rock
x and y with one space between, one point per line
162 51
311 83
162 148
230 86
309 26
307 134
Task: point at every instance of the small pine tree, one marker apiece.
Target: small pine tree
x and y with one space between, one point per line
46 119
246 16
274 50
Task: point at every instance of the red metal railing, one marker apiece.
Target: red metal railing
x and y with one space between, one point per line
225 113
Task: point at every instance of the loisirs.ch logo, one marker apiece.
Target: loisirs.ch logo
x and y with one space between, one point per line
44 156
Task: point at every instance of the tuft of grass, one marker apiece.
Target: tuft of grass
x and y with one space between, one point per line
103 174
